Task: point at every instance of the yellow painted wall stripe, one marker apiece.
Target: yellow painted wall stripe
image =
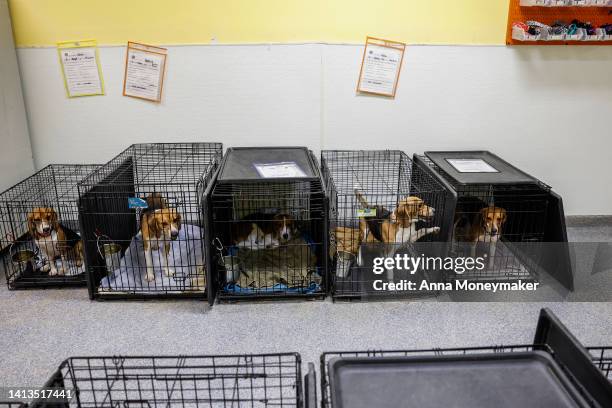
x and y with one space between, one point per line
114 22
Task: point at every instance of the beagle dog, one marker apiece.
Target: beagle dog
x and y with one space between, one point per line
263 230
159 226
54 240
484 226
397 227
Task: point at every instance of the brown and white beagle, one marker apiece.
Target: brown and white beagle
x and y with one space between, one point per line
262 230
159 226
54 240
484 226
396 227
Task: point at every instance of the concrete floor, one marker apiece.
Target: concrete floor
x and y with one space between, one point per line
40 328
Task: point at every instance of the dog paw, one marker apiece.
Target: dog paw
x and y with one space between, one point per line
169 272
61 271
52 272
150 277
45 268
435 230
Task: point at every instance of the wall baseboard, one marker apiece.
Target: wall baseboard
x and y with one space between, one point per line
588 220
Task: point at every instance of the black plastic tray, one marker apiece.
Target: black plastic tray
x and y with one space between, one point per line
239 162
522 379
506 173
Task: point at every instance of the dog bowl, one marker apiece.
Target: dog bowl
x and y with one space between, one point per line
343 264
233 268
23 258
112 256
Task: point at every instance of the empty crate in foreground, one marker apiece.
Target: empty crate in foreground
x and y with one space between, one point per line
268 215
554 371
142 221
382 205
508 218
271 380
39 222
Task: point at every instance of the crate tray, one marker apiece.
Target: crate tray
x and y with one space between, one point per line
522 379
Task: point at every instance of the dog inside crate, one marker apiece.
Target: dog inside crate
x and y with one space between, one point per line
164 249
492 222
40 228
265 240
384 207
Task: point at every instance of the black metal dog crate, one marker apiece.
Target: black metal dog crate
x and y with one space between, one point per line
370 191
40 229
158 187
266 380
268 225
555 370
511 220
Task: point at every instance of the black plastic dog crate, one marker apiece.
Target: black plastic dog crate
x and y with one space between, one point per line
512 220
367 189
265 380
163 185
268 225
556 370
38 221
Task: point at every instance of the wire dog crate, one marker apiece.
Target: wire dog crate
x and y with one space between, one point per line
142 221
501 215
586 370
268 225
382 204
40 229
12 405
187 381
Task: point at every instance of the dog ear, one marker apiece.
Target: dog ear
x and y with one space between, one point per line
153 224
504 215
52 218
31 224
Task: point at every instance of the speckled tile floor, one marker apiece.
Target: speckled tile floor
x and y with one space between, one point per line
40 328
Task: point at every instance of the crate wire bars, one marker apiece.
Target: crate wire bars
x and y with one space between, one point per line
52 194
113 205
268 235
383 179
188 381
520 212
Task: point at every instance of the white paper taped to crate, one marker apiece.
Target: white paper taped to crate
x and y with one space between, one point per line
472 166
279 170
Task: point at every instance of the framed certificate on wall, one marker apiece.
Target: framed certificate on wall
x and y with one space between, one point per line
380 67
145 66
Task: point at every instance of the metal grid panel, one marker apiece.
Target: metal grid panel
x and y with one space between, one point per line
117 262
382 179
194 381
511 241
269 239
53 187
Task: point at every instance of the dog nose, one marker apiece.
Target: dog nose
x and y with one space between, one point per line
46 229
494 231
285 236
174 235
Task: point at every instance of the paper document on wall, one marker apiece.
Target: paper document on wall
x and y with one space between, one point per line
81 68
279 170
382 61
472 166
144 72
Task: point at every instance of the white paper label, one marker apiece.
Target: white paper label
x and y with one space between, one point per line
144 74
81 71
279 170
380 69
472 166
